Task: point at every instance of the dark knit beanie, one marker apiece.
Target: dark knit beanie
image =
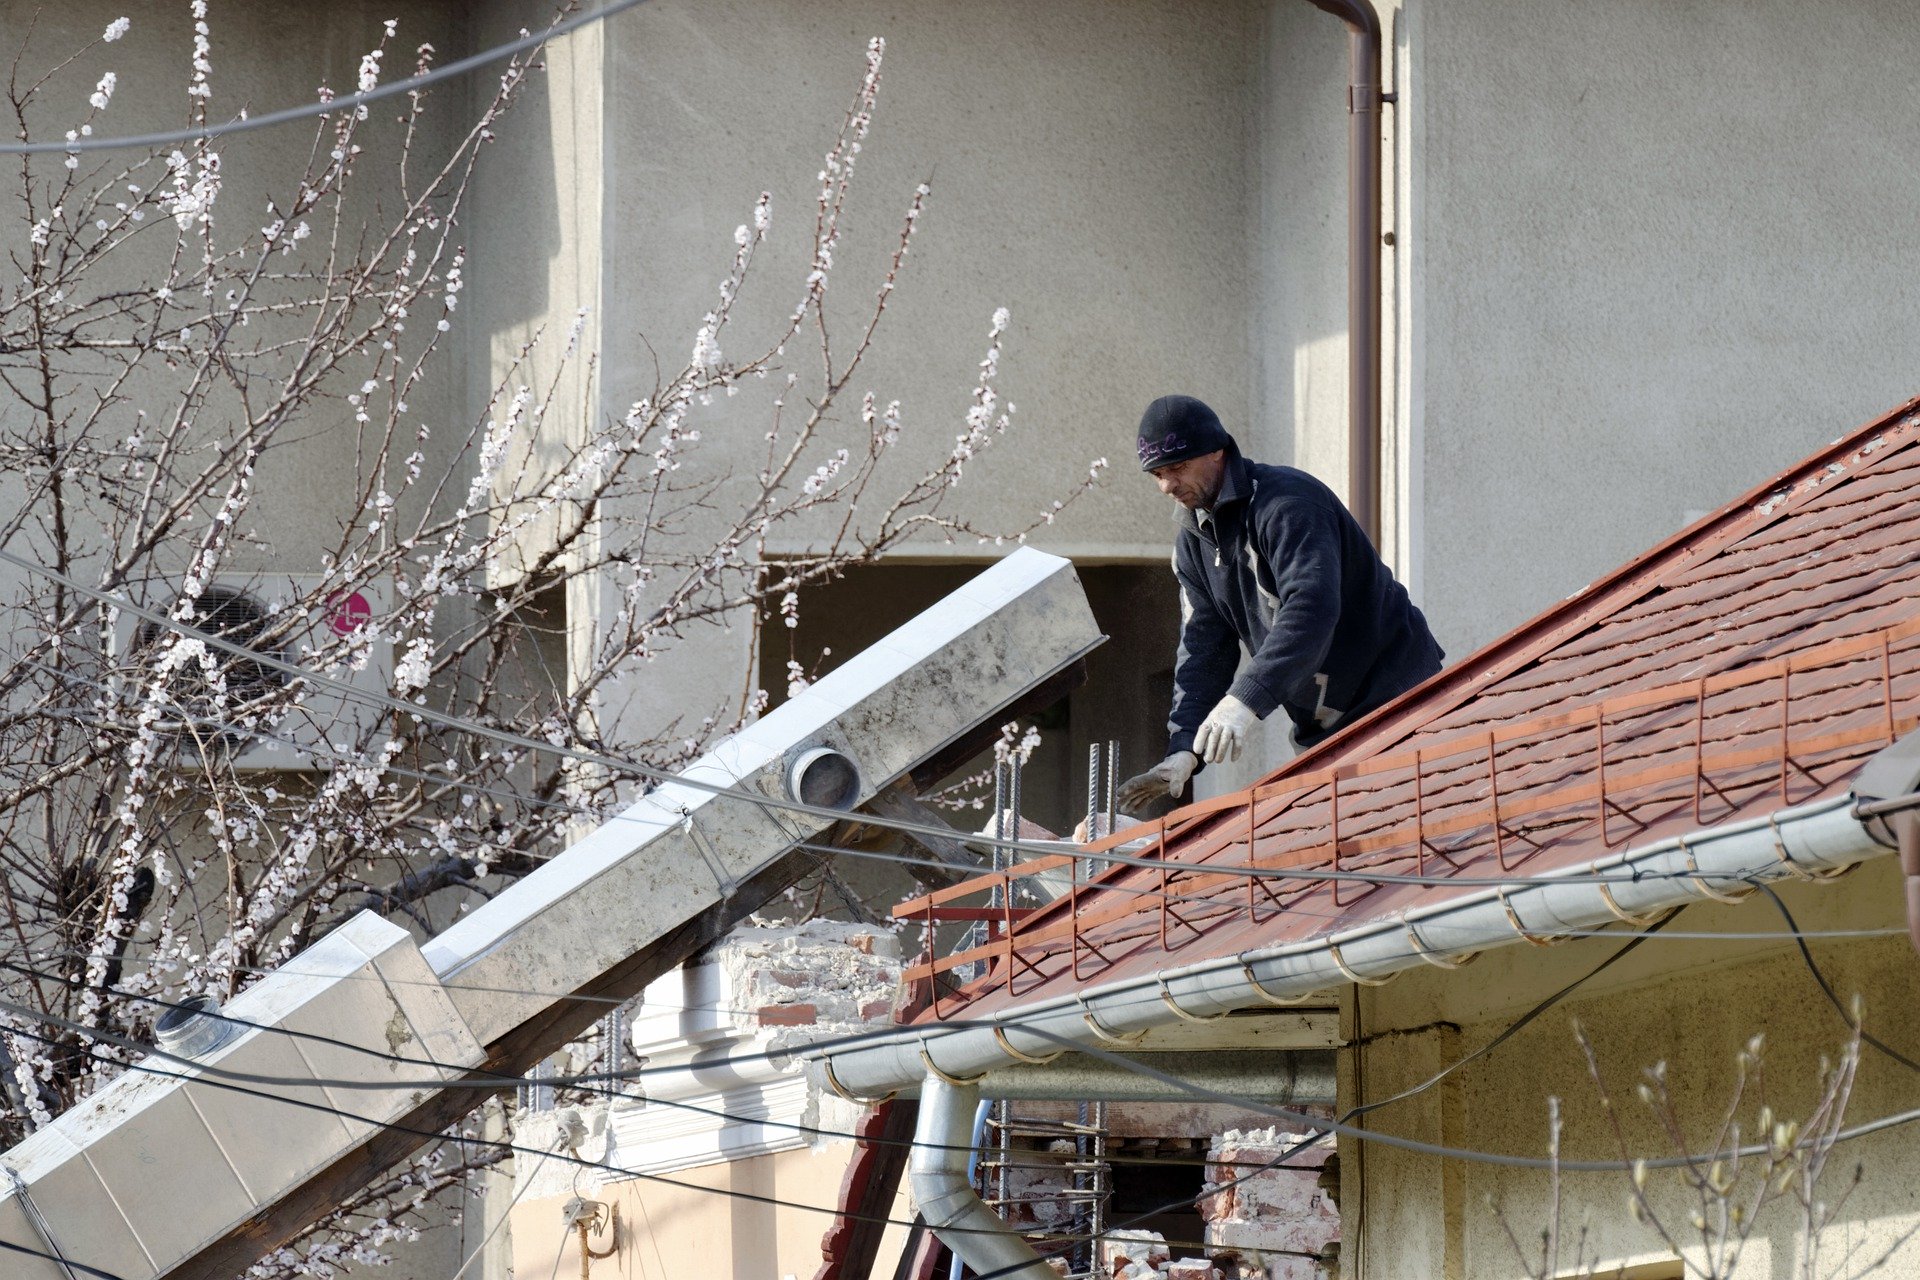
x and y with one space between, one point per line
1175 428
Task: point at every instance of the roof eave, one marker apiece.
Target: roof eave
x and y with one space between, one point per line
1711 864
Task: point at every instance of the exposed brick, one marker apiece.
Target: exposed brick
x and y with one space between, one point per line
863 943
788 1015
1192 1269
875 1009
787 977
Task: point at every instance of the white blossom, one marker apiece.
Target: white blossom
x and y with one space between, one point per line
706 347
116 29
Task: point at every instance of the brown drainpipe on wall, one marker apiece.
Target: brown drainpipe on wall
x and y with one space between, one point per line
1363 258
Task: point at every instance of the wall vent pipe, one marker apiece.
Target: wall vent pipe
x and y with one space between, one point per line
1364 97
192 1028
824 778
937 1172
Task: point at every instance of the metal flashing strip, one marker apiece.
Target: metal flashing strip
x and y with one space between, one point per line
1819 837
40 1226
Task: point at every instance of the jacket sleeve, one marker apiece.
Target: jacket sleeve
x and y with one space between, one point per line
1300 542
1209 652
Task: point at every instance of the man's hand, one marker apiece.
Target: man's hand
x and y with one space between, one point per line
1223 734
1168 778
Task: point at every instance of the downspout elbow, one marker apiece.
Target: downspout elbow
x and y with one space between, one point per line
945 1198
1358 14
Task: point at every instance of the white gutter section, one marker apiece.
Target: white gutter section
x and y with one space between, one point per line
937 1173
1713 864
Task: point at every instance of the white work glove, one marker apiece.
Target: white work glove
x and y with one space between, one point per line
1223 734
1168 778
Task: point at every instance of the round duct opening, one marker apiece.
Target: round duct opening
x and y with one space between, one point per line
192 1028
825 779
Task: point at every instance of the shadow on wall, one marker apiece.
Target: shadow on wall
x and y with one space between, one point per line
1125 699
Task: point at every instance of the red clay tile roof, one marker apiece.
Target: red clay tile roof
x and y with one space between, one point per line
1750 662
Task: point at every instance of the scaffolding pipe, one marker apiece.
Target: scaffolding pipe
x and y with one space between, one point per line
937 1172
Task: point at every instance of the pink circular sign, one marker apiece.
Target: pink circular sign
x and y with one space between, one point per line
347 612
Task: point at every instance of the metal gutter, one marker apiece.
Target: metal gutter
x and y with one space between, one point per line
1717 864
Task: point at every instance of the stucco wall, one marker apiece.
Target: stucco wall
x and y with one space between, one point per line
1088 171
264 56
1658 262
1688 1003
1091 172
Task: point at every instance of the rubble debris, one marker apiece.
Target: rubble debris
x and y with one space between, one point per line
820 974
1192 1269
1271 1223
1130 1246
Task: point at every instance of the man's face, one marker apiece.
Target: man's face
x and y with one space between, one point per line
1195 483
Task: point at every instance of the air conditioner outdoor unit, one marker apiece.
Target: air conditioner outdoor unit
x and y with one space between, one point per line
295 618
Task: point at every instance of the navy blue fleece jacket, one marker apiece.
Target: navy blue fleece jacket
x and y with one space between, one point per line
1280 566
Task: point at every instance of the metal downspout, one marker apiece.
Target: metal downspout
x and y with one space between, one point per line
946 1199
958 1269
1363 258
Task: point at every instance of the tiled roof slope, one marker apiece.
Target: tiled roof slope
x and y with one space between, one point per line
1751 662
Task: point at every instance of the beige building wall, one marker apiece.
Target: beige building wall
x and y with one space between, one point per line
705 1222
1691 1004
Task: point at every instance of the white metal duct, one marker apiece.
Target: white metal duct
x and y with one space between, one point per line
153 1166
164 1178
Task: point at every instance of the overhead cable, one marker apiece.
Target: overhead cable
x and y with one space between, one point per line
351 692
230 1079
344 102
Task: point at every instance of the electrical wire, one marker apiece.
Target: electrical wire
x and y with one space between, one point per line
1312 1122
592 1083
1512 1029
1187 1087
11 1247
488 1081
345 102
506 1146
1190 899
229 1079
595 1082
762 800
1826 988
1458 1153
1793 931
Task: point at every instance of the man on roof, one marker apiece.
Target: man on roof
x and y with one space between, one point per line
1269 559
